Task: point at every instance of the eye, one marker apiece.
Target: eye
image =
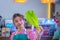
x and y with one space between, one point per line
16 21
21 19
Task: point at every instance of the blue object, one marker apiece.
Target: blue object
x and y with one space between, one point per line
11 25
20 37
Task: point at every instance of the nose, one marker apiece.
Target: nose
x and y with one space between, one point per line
19 22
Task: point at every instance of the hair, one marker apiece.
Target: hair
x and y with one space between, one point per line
0 16
18 15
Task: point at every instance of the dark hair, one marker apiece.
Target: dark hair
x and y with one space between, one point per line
18 15
0 16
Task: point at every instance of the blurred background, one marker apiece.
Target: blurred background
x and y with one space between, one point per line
49 22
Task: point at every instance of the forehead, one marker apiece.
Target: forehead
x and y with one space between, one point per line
18 18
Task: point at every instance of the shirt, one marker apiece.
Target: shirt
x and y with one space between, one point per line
31 34
56 35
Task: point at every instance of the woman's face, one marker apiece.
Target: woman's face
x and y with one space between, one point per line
19 22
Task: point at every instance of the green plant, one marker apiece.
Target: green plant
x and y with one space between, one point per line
32 18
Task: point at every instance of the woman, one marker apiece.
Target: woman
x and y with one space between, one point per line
18 21
57 33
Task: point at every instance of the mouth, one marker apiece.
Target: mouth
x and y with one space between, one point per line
19 24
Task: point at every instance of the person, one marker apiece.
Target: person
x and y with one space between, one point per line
56 19
0 20
18 21
57 33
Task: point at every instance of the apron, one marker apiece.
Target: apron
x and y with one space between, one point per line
20 36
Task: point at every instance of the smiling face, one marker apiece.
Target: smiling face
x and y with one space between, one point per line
18 21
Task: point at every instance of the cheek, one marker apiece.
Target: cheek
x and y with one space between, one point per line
22 23
15 24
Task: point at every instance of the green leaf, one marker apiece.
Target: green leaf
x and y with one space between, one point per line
32 18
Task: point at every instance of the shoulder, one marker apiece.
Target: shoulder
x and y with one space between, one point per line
29 31
56 35
12 35
31 34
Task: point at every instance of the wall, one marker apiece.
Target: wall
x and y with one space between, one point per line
57 8
9 7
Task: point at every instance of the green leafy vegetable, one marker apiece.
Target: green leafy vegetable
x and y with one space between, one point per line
32 18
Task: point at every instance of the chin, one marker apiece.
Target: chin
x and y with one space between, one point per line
21 26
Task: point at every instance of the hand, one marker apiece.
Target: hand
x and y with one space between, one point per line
39 33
